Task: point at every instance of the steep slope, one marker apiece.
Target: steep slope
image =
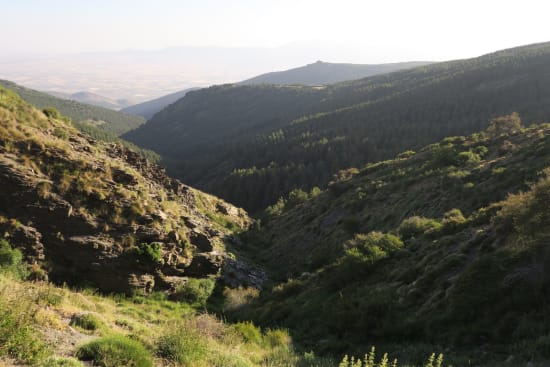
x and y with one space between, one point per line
92 99
110 121
149 108
321 73
447 246
250 152
90 212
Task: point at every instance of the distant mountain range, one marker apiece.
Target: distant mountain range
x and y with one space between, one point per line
321 73
149 108
93 99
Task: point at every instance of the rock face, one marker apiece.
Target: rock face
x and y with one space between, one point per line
98 213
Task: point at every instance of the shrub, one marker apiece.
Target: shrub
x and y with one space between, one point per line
444 155
377 245
51 112
195 291
296 197
481 150
276 209
86 321
11 261
468 157
277 338
508 124
151 252
182 346
363 251
417 226
248 331
115 351
453 217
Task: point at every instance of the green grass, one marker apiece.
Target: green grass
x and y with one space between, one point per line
87 321
62 362
182 346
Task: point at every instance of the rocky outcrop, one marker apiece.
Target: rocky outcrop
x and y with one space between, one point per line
100 214
238 273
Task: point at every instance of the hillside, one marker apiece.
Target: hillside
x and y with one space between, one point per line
89 212
92 99
96 218
112 122
253 144
445 246
321 73
149 108
440 249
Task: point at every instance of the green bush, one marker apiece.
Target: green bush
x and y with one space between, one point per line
115 351
277 338
468 157
182 346
376 245
86 321
417 226
11 261
151 252
248 331
452 220
195 291
362 252
296 197
444 155
51 112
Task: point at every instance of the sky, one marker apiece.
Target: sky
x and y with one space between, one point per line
356 31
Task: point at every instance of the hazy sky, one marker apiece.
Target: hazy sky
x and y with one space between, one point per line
260 36
434 30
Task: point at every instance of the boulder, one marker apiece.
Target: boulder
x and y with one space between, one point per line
204 264
201 241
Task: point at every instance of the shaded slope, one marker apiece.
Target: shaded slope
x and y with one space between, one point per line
252 151
425 248
105 119
90 212
321 73
149 108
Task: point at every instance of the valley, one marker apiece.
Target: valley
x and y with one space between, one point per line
396 219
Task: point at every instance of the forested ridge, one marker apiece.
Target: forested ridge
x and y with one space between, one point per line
111 122
254 144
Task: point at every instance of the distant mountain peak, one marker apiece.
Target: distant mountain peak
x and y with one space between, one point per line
322 72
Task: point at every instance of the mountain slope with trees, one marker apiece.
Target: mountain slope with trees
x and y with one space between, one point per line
112 122
253 144
149 108
444 246
321 73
